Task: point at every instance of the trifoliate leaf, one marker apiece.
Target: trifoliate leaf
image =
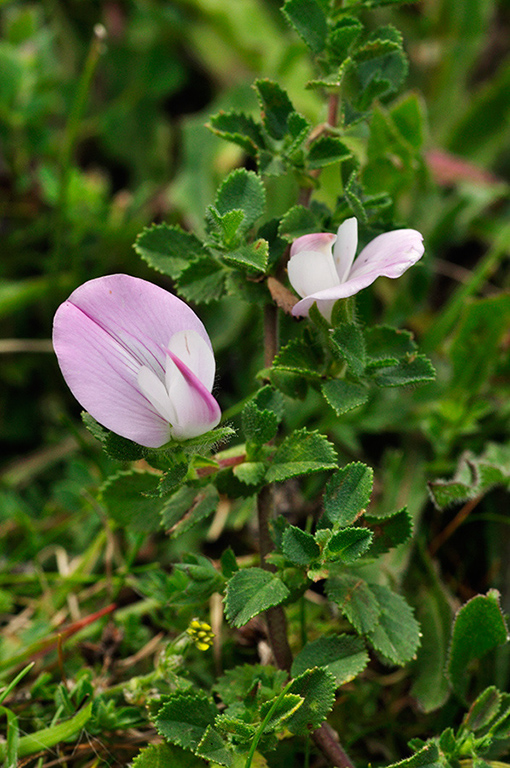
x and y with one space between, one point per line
185 717
343 395
168 249
345 656
124 497
276 108
346 495
242 190
250 592
356 600
309 21
240 129
317 687
301 453
479 628
397 634
349 344
299 546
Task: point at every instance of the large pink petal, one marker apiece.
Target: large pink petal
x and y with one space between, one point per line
102 375
388 255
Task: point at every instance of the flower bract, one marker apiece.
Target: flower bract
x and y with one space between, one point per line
322 268
138 359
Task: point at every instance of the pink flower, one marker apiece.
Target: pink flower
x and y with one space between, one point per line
138 359
321 273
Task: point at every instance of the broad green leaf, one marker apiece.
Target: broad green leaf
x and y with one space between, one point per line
242 190
287 705
123 496
202 281
240 129
176 506
299 546
389 531
317 687
212 747
252 256
479 628
326 150
344 656
484 710
382 65
342 37
427 757
298 221
276 108
348 343
416 369
343 395
384 342
259 426
301 453
204 504
409 116
185 717
168 249
233 726
262 682
250 472
250 592
225 229
356 600
117 447
397 634
346 496
163 755
348 544
309 21
299 356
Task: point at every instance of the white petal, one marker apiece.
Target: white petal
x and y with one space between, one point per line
156 393
197 411
196 354
312 271
344 250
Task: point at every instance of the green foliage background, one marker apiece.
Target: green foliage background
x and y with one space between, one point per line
99 138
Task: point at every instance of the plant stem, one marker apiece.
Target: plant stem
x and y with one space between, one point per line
327 741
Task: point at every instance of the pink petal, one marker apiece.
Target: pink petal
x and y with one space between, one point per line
318 241
344 250
197 410
104 334
388 255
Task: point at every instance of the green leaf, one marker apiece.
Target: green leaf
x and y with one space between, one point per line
327 150
202 281
390 531
299 356
168 249
384 342
286 706
416 369
276 108
317 687
409 115
259 426
117 447
301 453
124 497
253 256
484 710
382 65
164 755
309 21
250 592
479 628
397 634
348 342
344 396
344 656
346 496
299 546
226 230
356 600
298 221
250 472
176 506
348 544
185 717
342 37
242 190
212 747
427 757
250 680
204 504
240 129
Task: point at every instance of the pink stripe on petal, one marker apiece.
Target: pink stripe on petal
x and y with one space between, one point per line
197 410
318 241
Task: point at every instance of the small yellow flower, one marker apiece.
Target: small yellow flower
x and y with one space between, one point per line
201 634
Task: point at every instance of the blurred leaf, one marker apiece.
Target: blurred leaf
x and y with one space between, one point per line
483 710
126 502
416 369
309 21
163 755
389 531
427 757
202 281
479 628
240 129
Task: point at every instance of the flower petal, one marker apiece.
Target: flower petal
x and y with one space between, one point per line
388 255
311 271
197 410
196 354
102 375
318 241
344 250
